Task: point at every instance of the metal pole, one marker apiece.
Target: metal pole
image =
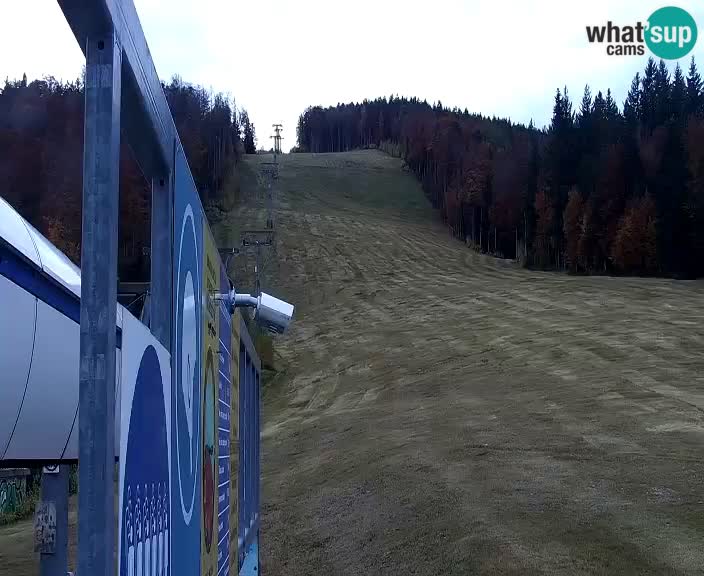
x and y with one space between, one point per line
270 203
96 446
55 491
161 252
258 271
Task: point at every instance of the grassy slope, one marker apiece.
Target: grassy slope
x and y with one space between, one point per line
440 412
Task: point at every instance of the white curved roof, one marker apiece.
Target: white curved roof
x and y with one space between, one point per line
14 230
39 354
20 234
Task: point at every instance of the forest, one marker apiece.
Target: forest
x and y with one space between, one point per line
603 189
41 159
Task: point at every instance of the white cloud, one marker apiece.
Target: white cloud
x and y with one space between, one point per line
498 57
35 39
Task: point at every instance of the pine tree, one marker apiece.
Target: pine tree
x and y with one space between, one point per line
567 108
556 112
612 112
647 95
668 186
631 106
236 128
585 141
678 95
562 158
662 94
632 114
694 90
249 138
598 113
585 109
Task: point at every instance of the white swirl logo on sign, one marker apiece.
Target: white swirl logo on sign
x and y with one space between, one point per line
188 364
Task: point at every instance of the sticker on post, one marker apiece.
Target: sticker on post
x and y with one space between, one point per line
45 528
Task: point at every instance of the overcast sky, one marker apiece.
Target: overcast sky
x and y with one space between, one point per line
497 57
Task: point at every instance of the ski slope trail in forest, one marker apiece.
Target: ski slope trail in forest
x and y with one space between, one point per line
441 412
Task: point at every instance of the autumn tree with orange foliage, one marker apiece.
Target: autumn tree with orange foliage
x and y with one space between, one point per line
635 246
41 158
694 205
545 222
572 226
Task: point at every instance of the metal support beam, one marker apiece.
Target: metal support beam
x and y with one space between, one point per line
161 255
96 445
55 490
147 120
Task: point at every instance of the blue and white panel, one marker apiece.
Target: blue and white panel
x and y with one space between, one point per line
186 392
19 311
145 454
224 392
49 406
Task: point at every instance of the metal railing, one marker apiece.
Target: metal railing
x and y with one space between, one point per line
249 449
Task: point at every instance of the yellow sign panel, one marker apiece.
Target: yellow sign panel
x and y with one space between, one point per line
209 419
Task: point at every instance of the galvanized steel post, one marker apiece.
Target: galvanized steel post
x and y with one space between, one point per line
160 303
96 446
55 487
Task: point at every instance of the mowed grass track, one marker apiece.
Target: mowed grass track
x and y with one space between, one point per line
440 412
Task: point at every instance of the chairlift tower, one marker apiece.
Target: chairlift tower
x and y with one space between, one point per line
278 128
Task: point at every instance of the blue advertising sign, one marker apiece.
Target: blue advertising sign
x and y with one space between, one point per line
186 391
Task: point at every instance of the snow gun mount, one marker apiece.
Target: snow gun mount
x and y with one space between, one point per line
270 313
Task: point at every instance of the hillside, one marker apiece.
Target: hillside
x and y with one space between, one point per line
441 412
602 190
